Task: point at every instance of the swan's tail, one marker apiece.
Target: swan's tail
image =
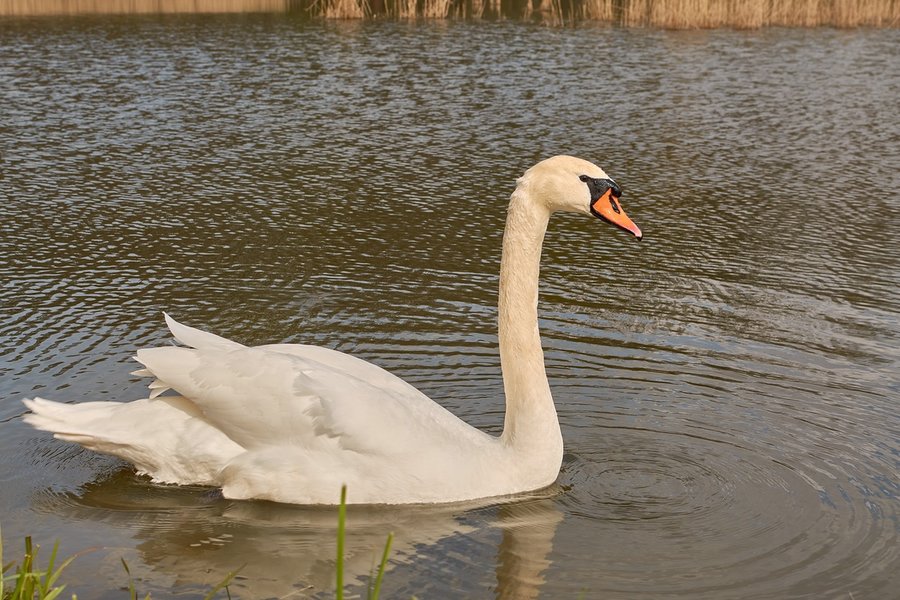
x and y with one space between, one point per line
70 422
165 438
90 424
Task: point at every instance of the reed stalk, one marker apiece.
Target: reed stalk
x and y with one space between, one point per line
598 10
436 9
549 12
344 9
402 9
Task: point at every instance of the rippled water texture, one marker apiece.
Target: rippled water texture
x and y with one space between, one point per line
728 388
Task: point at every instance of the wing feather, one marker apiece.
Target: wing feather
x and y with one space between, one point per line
301 396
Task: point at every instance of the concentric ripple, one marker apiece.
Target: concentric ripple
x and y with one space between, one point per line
635 483
731 509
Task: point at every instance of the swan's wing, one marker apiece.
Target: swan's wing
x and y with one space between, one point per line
196 338
303 396
339 361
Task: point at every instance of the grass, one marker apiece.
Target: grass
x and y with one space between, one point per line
374 588
29 582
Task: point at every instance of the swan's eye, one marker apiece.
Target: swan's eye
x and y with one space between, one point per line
584 178
616 190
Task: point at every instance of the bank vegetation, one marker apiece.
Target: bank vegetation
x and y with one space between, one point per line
670 14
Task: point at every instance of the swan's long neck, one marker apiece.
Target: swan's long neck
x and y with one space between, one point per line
531 425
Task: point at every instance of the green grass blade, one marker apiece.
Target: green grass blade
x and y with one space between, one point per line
342 519
24 580
384 558
21 585
52 594
223 584
3 568
52 556
131 589
52 577
44 585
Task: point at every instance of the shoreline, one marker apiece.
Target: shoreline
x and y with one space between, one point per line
658 14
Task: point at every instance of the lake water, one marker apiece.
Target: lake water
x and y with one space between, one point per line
728 388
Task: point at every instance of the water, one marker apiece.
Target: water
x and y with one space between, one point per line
728 388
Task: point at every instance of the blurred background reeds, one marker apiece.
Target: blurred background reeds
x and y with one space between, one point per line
669 14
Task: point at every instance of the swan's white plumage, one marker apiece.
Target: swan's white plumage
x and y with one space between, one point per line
166 438
292 423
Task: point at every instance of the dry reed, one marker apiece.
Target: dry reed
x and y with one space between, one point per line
402 9
75 7
598 10
547 11
436 9
344 9
670 14
852 13
751 14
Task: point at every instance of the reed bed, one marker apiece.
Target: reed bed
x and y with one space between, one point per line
81 7
402 9
436 9
344 9
414 9
668 14
752 14
598 10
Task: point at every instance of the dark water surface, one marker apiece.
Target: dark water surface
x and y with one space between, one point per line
728 388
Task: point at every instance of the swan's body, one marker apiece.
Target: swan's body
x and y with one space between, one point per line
292 423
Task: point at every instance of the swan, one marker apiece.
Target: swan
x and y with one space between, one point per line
293 423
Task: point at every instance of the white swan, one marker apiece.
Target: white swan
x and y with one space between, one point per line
292 423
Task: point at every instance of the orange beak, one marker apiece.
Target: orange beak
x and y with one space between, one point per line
608 208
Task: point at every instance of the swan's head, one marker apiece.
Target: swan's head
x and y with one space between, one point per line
571 184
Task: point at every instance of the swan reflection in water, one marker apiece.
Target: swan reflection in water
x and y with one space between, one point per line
191 538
